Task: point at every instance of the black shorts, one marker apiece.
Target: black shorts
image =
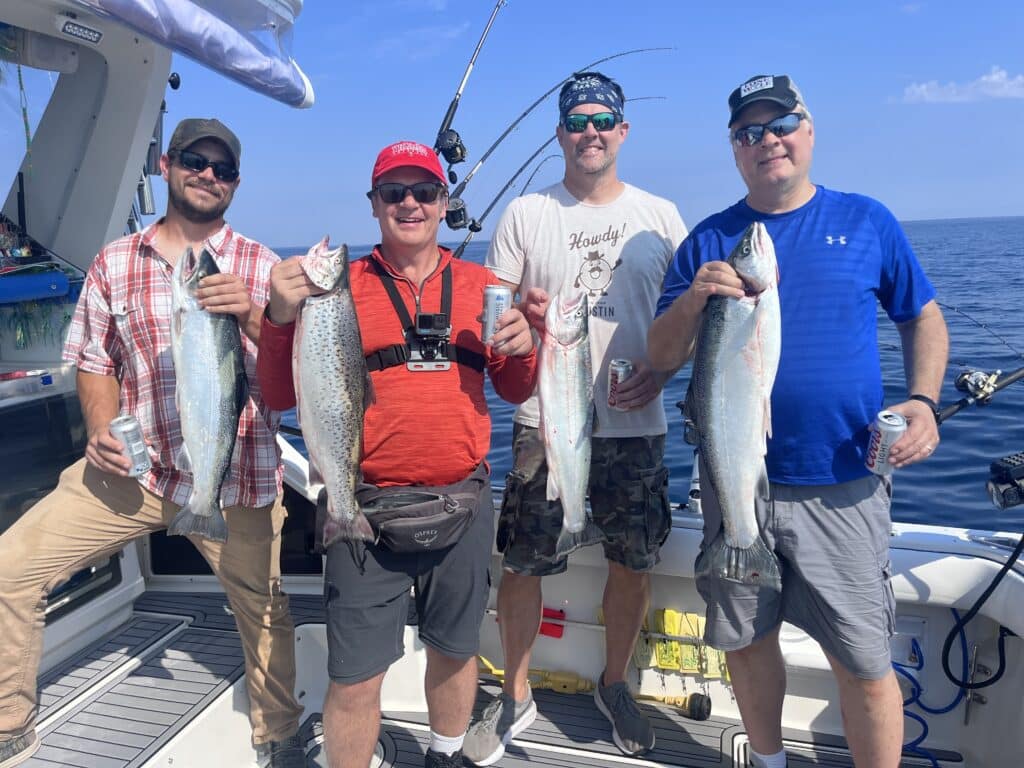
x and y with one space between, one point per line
367 590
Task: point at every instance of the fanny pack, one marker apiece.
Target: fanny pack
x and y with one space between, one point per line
420 518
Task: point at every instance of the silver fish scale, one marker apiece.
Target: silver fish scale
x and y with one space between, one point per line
211 389
330 380
565 389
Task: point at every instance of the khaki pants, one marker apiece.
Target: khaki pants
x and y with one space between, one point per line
91 515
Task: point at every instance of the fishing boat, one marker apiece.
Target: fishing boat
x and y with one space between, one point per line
142 663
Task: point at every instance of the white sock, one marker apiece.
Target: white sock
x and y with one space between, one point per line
447 745
778 760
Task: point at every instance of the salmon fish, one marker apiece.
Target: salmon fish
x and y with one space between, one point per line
331 390
565 392
210 391
734 369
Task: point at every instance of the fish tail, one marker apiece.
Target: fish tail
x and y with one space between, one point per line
210 526
755 564
569 541
356 529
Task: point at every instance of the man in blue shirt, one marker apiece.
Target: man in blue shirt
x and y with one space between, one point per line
827 518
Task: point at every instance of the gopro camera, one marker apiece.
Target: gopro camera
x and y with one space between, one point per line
428 345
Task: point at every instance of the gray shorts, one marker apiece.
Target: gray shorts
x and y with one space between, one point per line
367 590
832 542
628 493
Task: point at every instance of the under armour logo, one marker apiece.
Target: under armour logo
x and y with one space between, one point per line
840 240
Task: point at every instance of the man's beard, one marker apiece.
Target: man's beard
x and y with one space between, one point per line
193 214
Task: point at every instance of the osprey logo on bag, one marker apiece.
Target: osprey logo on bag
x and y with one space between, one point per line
425 538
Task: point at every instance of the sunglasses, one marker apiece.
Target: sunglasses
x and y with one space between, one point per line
393 192
193 161
752 135
602 121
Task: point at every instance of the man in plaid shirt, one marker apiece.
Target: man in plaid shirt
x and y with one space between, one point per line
120 340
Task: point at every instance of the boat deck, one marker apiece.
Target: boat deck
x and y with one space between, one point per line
118 702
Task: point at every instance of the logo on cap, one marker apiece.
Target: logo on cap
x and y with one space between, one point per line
409 148
758 84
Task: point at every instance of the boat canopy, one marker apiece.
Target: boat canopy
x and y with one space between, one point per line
248 41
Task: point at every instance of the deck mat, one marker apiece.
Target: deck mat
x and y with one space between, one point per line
210 610
65 682
124 724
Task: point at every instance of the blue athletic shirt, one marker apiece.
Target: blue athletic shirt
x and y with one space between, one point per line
839 255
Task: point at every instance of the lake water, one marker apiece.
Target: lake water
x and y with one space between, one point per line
975 265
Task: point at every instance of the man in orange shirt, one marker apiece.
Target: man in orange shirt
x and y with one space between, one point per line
367 589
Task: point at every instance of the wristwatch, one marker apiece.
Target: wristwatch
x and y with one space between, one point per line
930 403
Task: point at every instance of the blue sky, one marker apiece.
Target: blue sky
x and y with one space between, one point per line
919 104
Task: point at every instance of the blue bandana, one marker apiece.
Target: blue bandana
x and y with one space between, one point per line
590 90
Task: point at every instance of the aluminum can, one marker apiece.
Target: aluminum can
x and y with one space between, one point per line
618 371
886 431
497 299
128 430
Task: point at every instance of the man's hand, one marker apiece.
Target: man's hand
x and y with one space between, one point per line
534 305
103 451
639 389
225 294
921 438
714 278
289 287
512 335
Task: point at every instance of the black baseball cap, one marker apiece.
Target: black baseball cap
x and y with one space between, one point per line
193 129
777 88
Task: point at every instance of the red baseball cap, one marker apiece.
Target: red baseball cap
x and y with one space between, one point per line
407 154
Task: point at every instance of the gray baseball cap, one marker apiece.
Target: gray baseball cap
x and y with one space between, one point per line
777 88
194 129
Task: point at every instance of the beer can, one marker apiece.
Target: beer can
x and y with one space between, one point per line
886 431
497 299
618 371
128 430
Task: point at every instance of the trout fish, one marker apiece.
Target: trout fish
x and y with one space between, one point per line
332 388
565 392
733 372
210 392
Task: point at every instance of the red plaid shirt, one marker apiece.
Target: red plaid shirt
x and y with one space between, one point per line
122 328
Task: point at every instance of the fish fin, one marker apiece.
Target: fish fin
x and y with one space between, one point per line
755 565
767 410
183 461
763 488
569 542
210 526
315 478
369 393
553 493
356 529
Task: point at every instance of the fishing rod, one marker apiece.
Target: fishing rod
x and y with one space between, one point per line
984 326
479 222
529 180
448 142
457 217
475 225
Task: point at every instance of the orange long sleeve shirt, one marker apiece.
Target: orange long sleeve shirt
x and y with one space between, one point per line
424 427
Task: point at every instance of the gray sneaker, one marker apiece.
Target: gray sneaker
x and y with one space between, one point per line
16 750
631 729
503 719
286 753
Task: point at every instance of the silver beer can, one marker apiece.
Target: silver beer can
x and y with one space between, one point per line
618 371
497 299
886 431
128 430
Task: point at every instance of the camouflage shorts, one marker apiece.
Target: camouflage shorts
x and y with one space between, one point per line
628 499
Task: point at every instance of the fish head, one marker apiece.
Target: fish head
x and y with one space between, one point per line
190 269
567 317
753 258
326 268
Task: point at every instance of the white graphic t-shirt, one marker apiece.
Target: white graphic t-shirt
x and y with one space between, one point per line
618 253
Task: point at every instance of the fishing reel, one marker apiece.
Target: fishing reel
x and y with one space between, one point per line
450 145
1005 483
978 384
458 218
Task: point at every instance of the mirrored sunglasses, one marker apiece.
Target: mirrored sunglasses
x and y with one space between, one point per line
602 121
422 192
752 135
193 161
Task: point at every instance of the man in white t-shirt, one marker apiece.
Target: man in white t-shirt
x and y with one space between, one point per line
590 231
